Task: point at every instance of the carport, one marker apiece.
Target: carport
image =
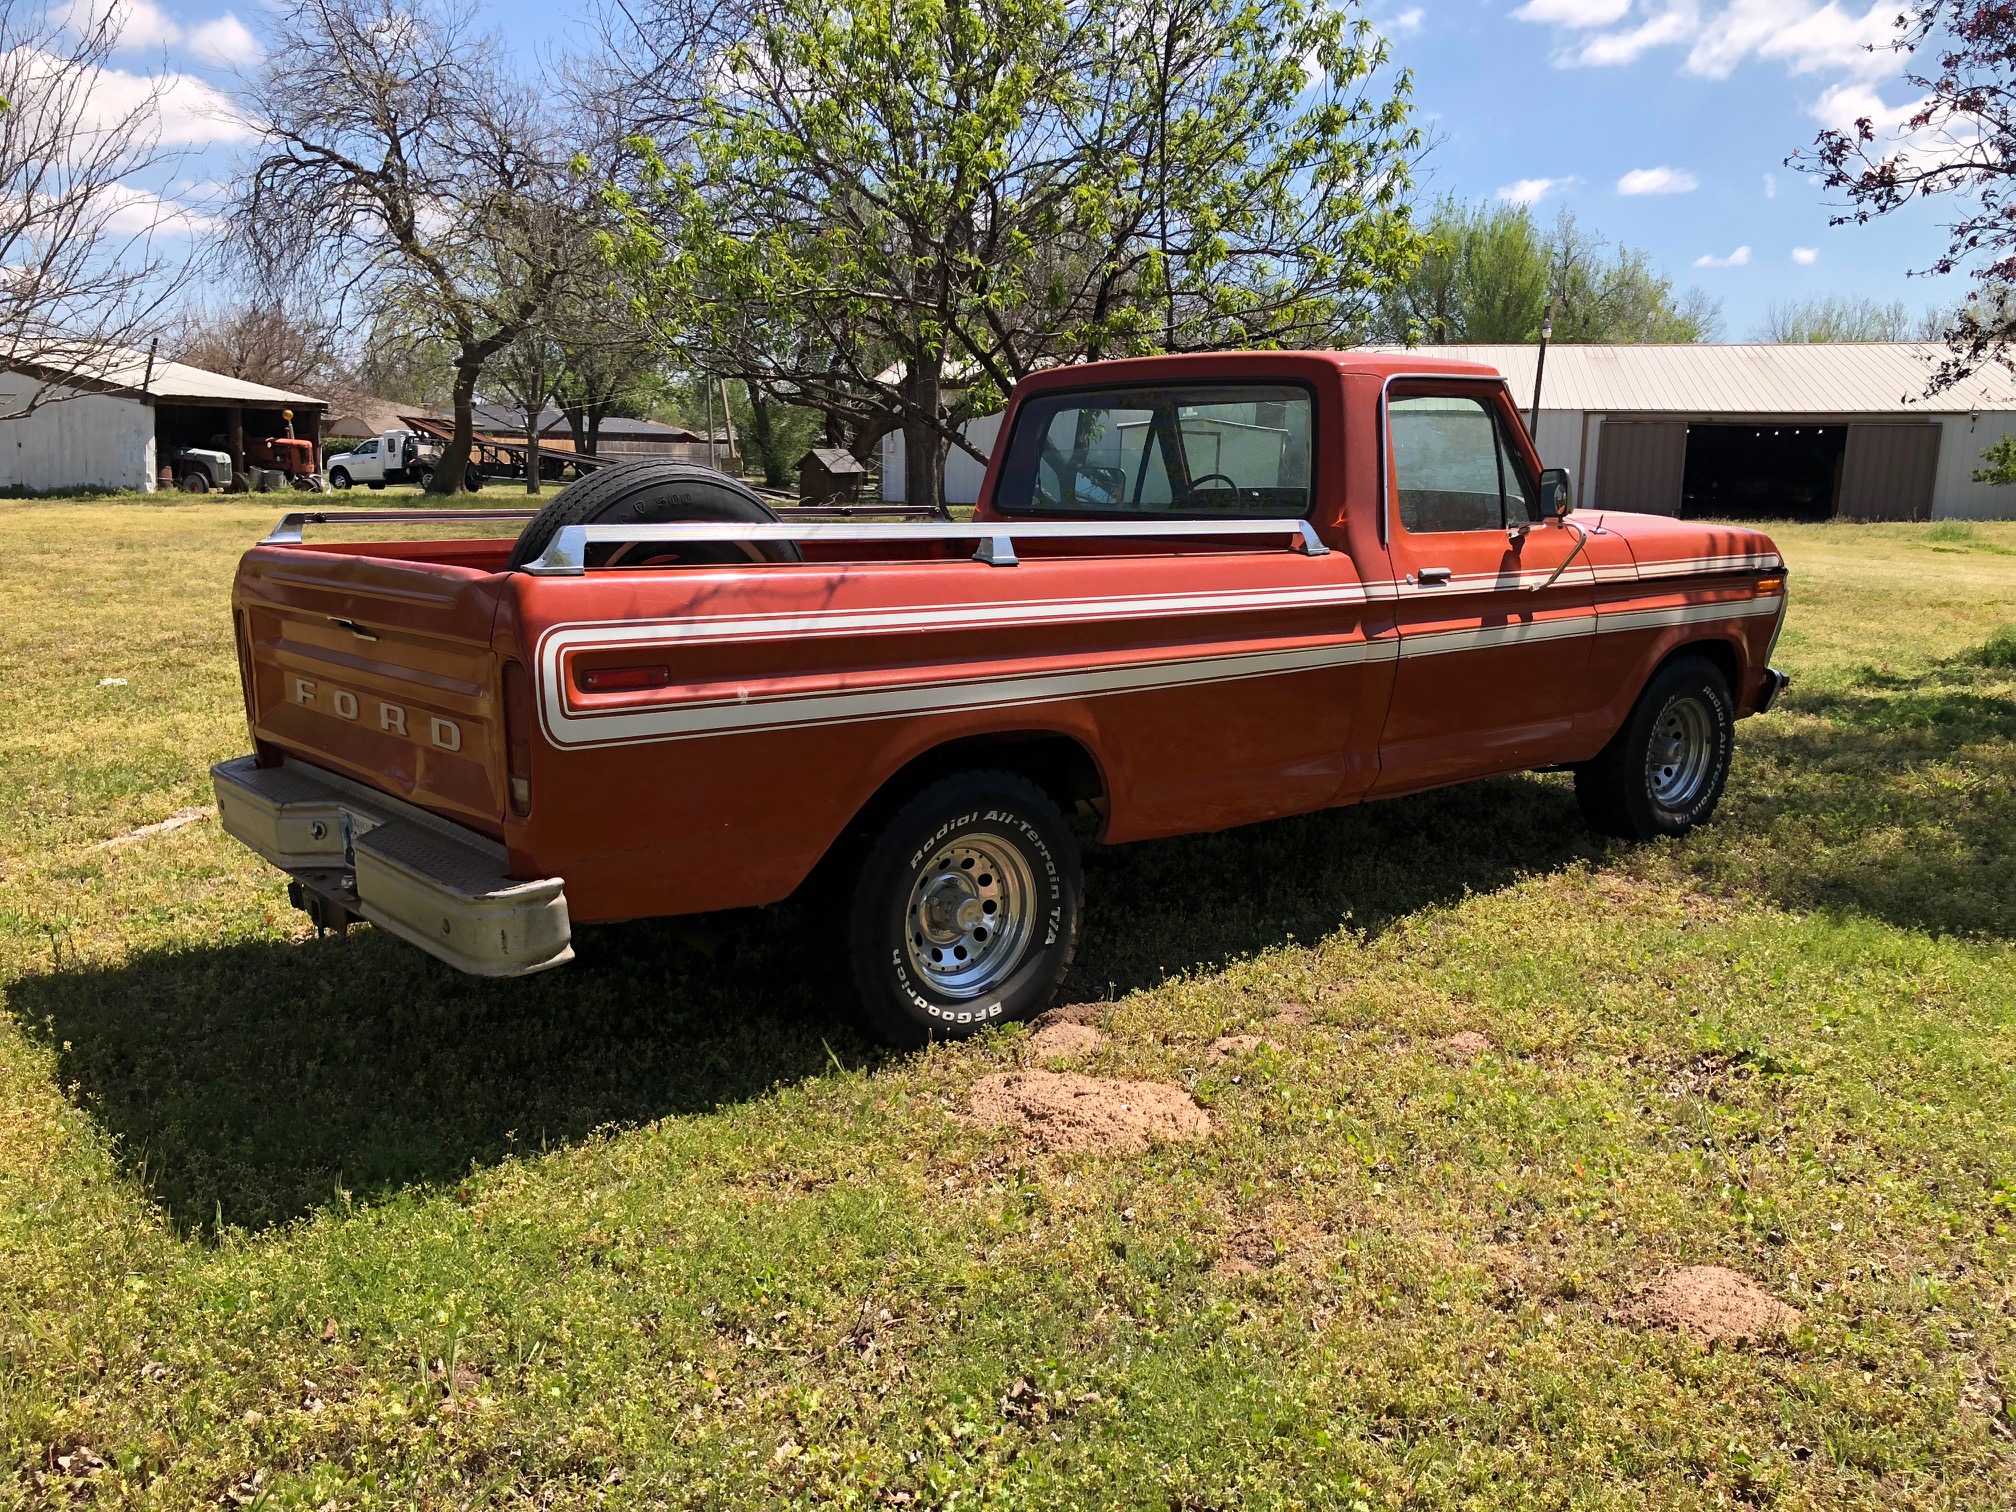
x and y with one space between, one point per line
118 419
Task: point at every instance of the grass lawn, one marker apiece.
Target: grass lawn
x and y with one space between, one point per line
310 1224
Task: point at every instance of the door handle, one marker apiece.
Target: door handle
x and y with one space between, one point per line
1429 576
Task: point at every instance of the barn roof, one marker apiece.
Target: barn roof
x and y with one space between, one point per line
121 370
1816 378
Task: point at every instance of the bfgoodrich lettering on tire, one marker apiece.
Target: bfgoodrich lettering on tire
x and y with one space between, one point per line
1664 771
965 910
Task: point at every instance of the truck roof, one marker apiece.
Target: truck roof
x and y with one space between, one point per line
1207 365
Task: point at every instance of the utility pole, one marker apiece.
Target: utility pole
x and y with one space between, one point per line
708 384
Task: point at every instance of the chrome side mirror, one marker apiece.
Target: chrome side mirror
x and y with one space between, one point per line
1557 494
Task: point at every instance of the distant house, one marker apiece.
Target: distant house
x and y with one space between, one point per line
358 417
829 475
617 436
117 417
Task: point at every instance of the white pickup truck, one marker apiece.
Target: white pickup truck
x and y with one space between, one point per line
396 456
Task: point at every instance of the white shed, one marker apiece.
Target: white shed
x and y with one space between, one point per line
112 419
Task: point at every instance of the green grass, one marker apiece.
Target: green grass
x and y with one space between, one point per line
316 1223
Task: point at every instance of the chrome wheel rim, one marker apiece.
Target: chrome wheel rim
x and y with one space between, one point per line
1681 753
971 915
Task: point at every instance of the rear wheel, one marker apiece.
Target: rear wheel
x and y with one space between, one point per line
1664 771
196 481
965 911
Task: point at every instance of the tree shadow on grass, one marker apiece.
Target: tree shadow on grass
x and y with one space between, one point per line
251 1081
1896 802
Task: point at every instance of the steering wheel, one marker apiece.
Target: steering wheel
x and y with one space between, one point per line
1197 484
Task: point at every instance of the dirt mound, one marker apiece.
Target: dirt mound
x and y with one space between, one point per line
1071 1013
1230 1046
1714 1304
1061 1112
1465 1046
1249 1252
1064 1040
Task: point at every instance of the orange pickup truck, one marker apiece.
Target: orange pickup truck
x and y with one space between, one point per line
1197 592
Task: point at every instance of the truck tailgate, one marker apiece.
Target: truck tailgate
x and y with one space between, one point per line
380 669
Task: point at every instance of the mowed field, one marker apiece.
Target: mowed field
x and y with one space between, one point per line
300 1223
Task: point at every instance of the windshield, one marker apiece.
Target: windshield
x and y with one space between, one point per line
1176 449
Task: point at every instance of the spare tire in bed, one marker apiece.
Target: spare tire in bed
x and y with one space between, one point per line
651 492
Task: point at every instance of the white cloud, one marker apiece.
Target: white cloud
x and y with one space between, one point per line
1805 256
1845 104
1530 191
1805 36
1770 186
225 41
192 113
1613 48
140 212
1737 259
136 23
1575 13
1658 181
1405 24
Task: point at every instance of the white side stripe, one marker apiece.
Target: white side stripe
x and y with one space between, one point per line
684 721
741 712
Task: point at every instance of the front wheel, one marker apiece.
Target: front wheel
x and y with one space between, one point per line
966 910
1664 771
338 478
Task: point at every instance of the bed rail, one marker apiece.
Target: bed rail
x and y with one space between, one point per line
567 555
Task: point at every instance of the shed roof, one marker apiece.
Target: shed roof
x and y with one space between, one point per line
835 459
122 370
1804 378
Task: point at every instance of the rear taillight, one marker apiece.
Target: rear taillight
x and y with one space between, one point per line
519 715
623 679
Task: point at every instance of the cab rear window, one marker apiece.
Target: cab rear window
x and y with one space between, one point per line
1173 449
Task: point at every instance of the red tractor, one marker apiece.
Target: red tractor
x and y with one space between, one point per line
290 457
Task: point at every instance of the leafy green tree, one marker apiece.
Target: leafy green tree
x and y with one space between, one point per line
1846 319
2001 460
1489 274
894 209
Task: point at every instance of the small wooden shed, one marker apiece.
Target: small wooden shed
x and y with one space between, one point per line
830 475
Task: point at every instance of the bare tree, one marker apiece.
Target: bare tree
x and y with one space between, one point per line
83 270
403 162
527 371
265 338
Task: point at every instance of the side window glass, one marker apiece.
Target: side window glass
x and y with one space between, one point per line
1446 461
1185 449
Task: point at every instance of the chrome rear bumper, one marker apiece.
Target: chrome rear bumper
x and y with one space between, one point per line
1775 682
433 883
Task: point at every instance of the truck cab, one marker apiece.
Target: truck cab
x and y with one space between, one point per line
393 456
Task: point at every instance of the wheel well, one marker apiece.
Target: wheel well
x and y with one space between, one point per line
1719 653
1059 765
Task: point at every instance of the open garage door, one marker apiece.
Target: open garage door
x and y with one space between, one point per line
1639 464
1888 470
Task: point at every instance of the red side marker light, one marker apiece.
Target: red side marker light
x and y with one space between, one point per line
623 679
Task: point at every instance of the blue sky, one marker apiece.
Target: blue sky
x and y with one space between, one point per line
1574 103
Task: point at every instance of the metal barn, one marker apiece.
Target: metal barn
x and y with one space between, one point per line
1804 432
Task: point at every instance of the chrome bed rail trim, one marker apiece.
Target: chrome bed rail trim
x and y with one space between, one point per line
567 554
288 531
